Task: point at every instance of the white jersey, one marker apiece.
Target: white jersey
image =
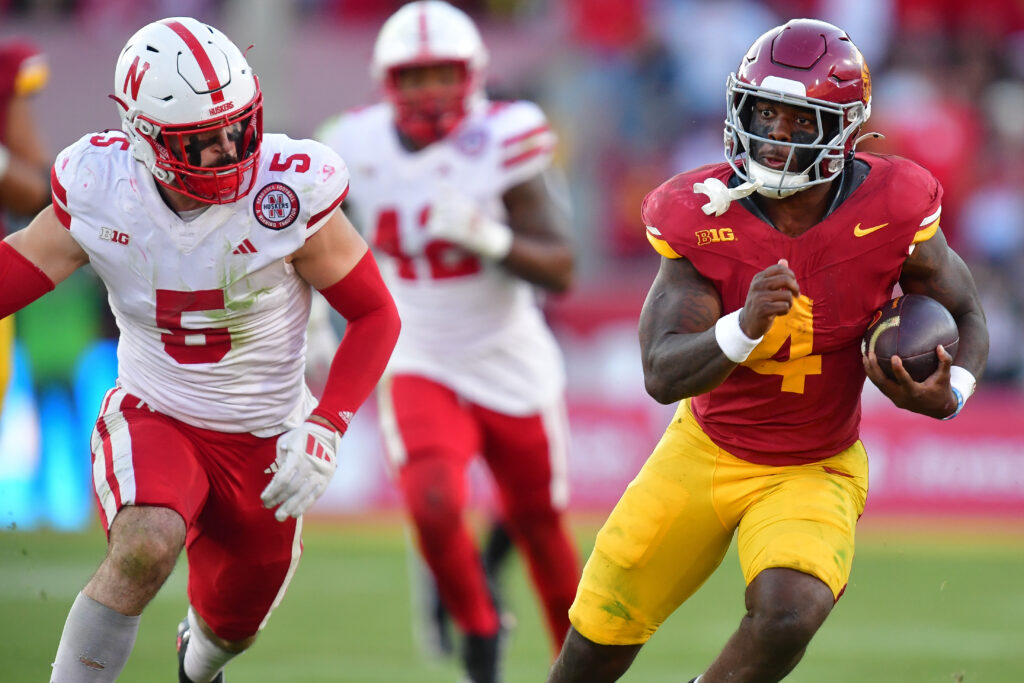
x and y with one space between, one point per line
212 319
466 322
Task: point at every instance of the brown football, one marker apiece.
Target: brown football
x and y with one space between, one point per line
911 326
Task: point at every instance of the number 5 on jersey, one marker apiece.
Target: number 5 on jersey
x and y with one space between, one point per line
185 345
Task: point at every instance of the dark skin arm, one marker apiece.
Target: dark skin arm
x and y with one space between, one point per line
935 270
680 354
25 186
541 250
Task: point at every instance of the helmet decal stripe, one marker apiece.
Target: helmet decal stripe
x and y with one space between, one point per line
424 33
193 44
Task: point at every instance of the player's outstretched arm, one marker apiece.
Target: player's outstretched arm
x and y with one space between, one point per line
337 262
935 270
34 260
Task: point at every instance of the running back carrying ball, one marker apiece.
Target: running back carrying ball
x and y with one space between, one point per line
911 326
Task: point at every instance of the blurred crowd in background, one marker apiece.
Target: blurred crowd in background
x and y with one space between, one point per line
636 92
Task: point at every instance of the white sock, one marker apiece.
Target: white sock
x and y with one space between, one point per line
203 659
95 643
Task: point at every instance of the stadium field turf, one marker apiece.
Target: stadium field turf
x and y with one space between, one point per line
926 603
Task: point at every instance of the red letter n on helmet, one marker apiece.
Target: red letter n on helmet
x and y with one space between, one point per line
135 77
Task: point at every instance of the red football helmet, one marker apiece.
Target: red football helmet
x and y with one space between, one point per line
426 33
804 63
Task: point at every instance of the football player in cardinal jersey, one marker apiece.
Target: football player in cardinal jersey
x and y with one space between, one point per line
209 237
450 187
772 264
23 156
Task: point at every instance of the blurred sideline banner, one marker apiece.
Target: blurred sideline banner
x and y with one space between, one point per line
973 465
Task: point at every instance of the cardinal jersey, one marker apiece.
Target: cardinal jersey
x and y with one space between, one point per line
212 319
23 71
797 397
466 322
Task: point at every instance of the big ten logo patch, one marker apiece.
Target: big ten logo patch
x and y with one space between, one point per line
714 235
276 206
115 236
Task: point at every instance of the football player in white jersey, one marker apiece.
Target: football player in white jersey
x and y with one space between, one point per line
209 237
450 189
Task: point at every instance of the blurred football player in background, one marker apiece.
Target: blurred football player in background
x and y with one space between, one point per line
773 264
451 188
209 237
24 159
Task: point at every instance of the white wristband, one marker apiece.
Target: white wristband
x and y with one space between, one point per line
5 160
962 382
734 342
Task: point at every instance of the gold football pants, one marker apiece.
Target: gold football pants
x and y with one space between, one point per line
676 519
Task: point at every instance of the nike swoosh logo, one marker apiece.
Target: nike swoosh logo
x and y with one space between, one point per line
866 231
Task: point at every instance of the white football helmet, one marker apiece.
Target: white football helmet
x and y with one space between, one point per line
181 85
427 33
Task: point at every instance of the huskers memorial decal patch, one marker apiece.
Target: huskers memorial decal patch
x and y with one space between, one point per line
276 206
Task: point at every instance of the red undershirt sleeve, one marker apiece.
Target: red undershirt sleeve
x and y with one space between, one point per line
21 281
370 335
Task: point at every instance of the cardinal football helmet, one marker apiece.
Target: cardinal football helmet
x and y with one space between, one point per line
426 33
803 63
181 84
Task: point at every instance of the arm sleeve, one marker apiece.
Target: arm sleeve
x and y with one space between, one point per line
525 140
329 187
21 281
370 335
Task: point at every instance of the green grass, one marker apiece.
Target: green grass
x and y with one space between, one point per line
923 607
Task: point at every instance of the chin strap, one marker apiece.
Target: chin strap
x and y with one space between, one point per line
721 195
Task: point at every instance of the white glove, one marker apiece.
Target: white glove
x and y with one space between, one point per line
456 218
306 460
721 195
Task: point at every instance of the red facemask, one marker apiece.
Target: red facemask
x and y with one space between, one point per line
427 114
178 150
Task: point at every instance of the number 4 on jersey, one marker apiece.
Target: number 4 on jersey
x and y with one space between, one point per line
798 327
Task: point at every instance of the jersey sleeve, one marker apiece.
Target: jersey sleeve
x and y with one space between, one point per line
669 210
928 224
66 200
525 141
59 175
910 201
329 186
651 211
